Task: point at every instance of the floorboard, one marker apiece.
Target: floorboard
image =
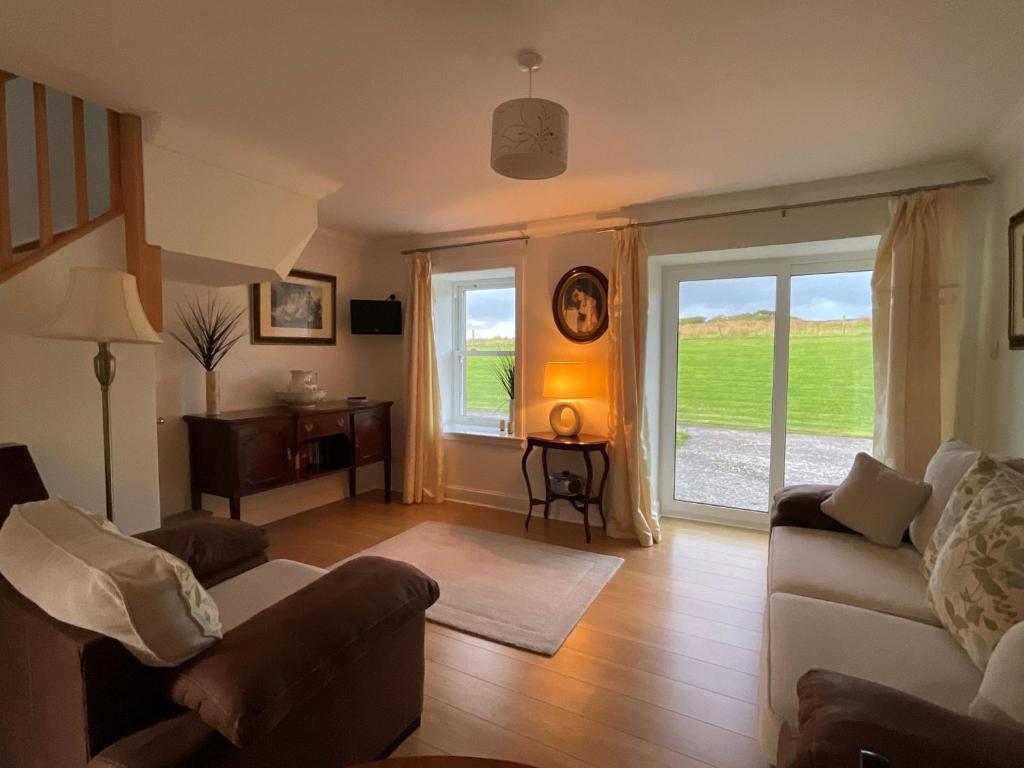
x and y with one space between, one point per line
660 671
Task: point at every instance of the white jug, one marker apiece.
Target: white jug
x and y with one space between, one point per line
303 381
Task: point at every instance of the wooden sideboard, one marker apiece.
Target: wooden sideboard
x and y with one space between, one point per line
239 453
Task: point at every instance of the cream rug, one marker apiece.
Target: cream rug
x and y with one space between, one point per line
516 591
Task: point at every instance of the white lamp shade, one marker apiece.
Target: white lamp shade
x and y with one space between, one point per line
568 381
101 305
530 139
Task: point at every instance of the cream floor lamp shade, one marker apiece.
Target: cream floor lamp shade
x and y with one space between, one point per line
567 382
102 305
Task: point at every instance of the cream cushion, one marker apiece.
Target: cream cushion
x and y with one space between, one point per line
950 463
807 634
876 501
1001 696
242 597
977 586
845 568
80 569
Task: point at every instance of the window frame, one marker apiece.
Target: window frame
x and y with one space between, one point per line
783 269
458 419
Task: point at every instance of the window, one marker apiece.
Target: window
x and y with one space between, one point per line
766 379
475 328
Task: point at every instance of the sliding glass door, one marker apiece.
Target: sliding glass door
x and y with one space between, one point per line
766 381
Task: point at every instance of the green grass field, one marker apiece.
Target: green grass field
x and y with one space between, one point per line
725 377
727 382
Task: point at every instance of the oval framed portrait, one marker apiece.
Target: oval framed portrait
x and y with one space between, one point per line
580 304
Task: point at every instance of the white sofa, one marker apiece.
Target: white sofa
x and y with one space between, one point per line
839 602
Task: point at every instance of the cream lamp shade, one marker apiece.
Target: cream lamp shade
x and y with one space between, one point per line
101 305
566 382
529 137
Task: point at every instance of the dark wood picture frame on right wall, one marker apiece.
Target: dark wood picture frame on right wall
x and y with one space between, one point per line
1016 243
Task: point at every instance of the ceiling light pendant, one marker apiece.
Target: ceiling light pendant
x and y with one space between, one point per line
529 137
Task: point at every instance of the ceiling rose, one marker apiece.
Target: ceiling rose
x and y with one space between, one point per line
529 137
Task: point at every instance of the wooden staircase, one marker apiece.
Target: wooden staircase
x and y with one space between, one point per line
66 168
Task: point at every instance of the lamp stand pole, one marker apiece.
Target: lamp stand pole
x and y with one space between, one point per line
105 367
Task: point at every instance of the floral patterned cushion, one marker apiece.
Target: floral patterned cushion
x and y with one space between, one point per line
971 484
977 585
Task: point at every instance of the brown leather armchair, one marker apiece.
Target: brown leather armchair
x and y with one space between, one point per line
330 675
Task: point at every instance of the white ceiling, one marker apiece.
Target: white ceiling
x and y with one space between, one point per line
393 98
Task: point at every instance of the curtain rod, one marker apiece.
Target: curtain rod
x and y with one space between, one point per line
794 206
466 245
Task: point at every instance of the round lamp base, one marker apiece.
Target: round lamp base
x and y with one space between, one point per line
565 420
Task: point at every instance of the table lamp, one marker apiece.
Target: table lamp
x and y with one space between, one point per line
566 382
102 305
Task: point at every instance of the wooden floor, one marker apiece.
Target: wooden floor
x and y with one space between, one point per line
661 670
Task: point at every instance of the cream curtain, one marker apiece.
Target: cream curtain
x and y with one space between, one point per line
916 327
629 486
423 478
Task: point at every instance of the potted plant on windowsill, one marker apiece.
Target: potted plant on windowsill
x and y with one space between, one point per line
506 369
209 335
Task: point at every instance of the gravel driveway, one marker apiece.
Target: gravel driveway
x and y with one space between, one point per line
729 467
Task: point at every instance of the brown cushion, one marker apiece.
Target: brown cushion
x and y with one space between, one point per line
799 506
211 544
841 715
249 682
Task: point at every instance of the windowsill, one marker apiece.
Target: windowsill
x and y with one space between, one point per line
468 434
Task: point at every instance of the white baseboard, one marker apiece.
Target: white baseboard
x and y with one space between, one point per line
494 500
485 498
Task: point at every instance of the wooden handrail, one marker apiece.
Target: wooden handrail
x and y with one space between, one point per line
127 197
43 166
6 254
141 258
81 174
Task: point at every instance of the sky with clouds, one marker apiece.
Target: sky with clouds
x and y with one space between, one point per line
490 313
812 297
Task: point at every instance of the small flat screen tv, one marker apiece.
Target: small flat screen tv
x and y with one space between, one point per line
376 317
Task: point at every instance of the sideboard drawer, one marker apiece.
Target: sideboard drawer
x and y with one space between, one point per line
322 424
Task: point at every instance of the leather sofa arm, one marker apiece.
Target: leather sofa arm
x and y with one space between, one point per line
841 715
799 506
214 548
250 681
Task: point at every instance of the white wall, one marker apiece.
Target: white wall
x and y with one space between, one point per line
50 400
251 374
1000 415
489 472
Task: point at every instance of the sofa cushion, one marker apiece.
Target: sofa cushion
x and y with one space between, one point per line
973 482
269 666
80 569
242 597
841 715
1001 696
210 545
950 463
919 659
846 568
876 501
977 586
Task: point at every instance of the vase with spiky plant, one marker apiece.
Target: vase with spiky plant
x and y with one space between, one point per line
506 372
209 334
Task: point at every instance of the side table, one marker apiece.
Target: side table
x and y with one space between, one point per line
582 443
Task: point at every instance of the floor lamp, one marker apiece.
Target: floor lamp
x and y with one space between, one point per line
102 305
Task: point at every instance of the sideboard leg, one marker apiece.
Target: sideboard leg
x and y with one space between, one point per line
235 504
352 482
197 498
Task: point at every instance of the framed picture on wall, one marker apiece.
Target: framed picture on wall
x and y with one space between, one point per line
298 310
1017 281
580 304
